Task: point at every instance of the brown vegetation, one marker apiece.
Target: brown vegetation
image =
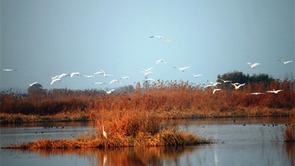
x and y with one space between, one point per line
134 118
170 99
124 129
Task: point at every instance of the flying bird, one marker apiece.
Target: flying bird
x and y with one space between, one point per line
147 71
125 77
160 61
31 84
256 93
238 85
88 76
54 80
225 81
74 74
285 62
103 73
196 75
216 90
8 70
114 80
160 37
110 91
212 84
274 91
182 68
149 79
98 83
252 65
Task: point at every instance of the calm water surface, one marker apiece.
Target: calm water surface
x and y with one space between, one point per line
240 142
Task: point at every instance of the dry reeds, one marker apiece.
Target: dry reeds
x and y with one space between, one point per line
124 129
169 99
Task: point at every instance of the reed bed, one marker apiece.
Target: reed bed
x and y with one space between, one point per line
170 99
124 129
133 118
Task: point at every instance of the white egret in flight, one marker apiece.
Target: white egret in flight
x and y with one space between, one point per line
196 75
125 77
252 65
216 90
160 61
256 93
285 62
31 84
54 80
88 76
238 85
98 83
182 68
109 91
74 74
114 80
8 70
274 91
160 37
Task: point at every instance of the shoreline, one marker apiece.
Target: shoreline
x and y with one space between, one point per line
78 116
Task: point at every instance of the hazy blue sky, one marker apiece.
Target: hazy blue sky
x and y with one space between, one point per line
43 38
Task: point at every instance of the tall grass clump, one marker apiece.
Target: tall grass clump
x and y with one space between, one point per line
124 129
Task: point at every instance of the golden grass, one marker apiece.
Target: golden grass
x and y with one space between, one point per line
166 99
124 129
163 138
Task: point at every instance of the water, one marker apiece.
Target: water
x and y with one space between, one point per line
240 142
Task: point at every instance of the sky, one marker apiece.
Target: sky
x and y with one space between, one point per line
45 38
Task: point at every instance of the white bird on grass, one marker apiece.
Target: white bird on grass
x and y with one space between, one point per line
160 61
238 85
104 133
182 68
160 37
274 91
252 65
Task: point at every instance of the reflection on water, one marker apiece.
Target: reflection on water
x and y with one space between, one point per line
241 142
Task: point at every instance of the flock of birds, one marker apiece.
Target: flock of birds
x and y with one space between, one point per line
147 72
